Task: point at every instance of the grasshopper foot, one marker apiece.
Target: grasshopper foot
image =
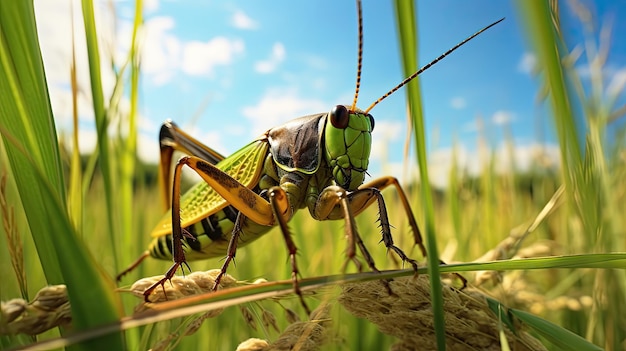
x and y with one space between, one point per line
168 277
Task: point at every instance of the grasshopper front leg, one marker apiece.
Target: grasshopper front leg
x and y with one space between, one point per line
382 183
334 203
360 203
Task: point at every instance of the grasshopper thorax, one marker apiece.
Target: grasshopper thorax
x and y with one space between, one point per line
347 145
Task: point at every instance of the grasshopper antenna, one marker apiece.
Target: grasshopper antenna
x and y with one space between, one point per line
360 54
409 78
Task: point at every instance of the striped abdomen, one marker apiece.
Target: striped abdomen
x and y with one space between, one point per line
211 234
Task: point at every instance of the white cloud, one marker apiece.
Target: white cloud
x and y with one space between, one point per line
164 54
160 50
242 21
473 126
384 133
502 117
527 156
479 124
472 163
440 164
269 65
150 6
278 106
148 148
200 58
616 87
527 63
405 172
458 103
316 62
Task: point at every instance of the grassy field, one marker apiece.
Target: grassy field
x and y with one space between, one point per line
78 222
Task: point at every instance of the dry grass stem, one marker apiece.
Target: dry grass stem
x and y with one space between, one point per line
470 324
50 308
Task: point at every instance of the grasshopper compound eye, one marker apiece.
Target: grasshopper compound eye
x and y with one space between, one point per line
339 117
371 120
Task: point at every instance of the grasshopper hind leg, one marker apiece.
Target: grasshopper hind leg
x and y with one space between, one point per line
134 265
232 249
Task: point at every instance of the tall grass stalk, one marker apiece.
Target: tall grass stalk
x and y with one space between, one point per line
407 31
102 122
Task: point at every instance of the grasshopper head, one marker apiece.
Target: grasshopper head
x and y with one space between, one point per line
348 141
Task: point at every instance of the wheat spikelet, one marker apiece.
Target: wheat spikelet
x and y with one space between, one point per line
50 308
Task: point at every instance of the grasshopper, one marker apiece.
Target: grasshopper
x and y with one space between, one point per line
317 161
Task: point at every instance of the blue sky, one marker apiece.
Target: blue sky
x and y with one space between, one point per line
229 70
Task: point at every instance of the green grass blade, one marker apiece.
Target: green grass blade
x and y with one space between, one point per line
407 33
75 196
544 37
129 145
26 116
599 261
29 136
560 337
102 122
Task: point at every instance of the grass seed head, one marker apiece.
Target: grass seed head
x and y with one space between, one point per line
248 317
291 316
49 309
470 324
269 320
306 336
253 344
191 284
